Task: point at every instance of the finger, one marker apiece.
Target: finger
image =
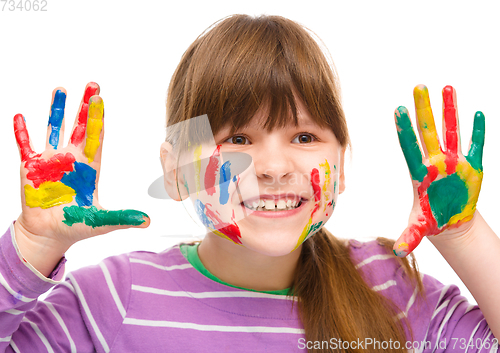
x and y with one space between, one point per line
475 156
55 129
23 138
409 144
79 128
93 217
409 240
95 130
425 119
451 131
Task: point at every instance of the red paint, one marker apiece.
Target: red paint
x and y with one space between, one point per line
426 225
81 127
450 120
40 170
315 184
212 169
22 137
432 173
232 231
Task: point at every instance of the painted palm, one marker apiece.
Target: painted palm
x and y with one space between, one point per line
446 183
67 176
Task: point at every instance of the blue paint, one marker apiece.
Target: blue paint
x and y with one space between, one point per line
225 178
82 180
234 179
56 117
200 211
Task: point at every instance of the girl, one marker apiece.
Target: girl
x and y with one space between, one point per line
267 276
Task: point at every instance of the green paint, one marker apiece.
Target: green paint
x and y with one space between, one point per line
475 156
409 145
447 197
98 218
334 186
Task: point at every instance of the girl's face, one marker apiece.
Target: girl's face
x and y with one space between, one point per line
296 174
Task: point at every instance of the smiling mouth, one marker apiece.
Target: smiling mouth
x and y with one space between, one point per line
271 206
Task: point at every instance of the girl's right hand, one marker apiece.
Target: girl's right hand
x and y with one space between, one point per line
59 186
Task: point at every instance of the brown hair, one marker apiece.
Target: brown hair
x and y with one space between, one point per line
242 64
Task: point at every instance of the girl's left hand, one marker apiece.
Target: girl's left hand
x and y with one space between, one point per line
446 184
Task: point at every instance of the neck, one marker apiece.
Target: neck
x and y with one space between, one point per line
243 267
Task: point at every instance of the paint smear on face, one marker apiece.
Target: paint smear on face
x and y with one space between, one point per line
56 117
200 211
225 178
230 230
326 185
212 169
197 167
41 170
315 184
79 132
94 128
98 218
49 194
82 180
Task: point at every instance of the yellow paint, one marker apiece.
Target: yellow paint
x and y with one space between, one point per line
94 128
426 120
473 179
326 185
304 234
49 194
439 161
197 167
223 236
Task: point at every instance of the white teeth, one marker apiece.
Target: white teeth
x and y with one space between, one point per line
270 205
281 205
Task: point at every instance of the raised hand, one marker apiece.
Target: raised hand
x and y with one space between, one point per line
446 183
59 186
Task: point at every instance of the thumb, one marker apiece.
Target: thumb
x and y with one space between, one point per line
411 237
94 217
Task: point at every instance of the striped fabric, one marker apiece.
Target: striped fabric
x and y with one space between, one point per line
149 302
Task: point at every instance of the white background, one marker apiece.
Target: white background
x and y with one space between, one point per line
381 50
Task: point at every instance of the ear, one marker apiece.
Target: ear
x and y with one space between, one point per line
169 163
341 171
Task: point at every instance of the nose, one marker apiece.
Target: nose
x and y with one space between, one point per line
273 164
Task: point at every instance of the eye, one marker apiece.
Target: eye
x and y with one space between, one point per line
305 138
238 140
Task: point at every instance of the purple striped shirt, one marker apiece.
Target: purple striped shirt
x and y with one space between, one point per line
158 302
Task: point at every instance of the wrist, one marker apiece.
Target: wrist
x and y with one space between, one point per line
40 252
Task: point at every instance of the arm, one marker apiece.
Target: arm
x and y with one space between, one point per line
473 255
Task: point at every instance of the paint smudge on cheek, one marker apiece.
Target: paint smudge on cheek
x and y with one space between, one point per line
56 117
326 185
49 194
197 167
98 218
79 133
82 180
315 184
40 170
94 128
212 169
230 231
225 178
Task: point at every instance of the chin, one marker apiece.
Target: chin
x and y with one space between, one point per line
271 246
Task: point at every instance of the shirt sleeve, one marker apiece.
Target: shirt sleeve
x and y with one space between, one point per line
455 325
29 325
